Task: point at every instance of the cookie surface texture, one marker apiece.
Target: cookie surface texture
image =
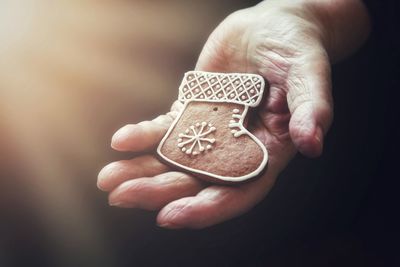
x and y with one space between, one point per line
208 138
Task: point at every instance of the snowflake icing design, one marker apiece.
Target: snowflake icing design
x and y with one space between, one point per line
196 137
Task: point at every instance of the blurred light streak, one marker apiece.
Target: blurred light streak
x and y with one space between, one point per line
72 72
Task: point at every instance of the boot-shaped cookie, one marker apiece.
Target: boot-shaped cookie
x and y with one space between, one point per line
208 138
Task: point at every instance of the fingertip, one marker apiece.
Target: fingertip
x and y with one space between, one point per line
309 143
101 179
141 136
108 175
118 196
305 129
120 137
101 186
174 215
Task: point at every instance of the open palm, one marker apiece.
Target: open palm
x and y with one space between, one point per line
283 47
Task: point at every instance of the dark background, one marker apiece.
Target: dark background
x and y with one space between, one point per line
338 210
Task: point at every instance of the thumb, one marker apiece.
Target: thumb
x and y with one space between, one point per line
310 104
212 56
220 53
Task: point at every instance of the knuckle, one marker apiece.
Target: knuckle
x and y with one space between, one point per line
164 120
144 124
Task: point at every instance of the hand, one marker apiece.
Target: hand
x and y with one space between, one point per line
285 42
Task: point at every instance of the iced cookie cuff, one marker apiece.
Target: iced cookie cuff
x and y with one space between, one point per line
239 88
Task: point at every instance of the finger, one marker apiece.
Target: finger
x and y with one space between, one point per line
213 205
155 192
144 135
310 103
118 172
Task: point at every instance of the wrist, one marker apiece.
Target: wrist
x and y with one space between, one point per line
341 26
345 22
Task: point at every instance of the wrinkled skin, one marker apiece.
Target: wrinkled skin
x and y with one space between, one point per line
286 44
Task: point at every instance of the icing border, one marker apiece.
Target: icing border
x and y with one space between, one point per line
256 172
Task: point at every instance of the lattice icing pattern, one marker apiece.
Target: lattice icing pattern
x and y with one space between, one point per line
245 89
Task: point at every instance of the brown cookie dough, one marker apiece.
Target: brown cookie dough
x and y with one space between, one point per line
208 138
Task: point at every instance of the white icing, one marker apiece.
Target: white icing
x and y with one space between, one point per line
195 139
232 179
239 133
230 94
238 128
236 116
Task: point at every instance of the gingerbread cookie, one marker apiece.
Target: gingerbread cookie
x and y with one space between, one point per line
208 138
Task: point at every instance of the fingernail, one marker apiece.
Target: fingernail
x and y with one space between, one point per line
101 177
118 135
164 225
99 186
319 136
312 145
115 204
164 219
169 225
